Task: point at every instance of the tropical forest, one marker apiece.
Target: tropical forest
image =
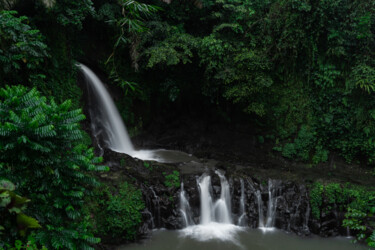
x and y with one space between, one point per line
187 124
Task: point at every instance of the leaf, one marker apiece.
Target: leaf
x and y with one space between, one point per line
27 222
5 200
5 184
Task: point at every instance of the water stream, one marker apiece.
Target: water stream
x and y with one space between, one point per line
107 124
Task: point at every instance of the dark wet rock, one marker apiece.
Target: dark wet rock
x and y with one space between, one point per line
293 212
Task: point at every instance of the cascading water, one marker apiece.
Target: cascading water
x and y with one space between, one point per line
206 199
106 122
156 206
117 137
272 203
258 195
242 218
215 217
271 207
185 208
222 206
307 216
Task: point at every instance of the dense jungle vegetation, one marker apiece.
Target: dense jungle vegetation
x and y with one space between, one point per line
301 71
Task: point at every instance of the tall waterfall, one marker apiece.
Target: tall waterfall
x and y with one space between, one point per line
107 116
107 124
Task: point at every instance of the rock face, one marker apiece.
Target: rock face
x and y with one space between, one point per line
287 201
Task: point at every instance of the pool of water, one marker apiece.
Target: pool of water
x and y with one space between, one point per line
239 238
163 155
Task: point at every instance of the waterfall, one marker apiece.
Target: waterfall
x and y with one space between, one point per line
223 205
156 203
107 116
185 208
307 217
242 218
260 208
271 207
205 198
220 211
272 203
151 218
107 125
215 217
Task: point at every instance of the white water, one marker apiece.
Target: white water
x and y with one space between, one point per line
260 209
106 121
215 217
117 135
185 208
271 207
242 218
206 199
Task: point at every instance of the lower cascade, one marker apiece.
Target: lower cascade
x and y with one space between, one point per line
216 218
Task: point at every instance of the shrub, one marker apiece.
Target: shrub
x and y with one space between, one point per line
22 49
172 180
357 202
118 212
40 146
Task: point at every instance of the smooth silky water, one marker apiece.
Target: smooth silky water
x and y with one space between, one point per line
107 123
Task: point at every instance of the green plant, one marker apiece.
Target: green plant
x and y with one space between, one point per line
72 13
29 245
14 221
357 202
117 212
173 179
316 199
22 49
147 165
41 144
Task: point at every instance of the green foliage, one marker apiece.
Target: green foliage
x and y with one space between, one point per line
302 67
72 13
134 13
357 202
22 49
168 45
147 165
303 146
14 221
316 199
173 179
40 142
29 245
117 212
363 77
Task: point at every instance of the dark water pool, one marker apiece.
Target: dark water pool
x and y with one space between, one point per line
240 238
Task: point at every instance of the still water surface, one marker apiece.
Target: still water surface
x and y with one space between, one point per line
245 239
